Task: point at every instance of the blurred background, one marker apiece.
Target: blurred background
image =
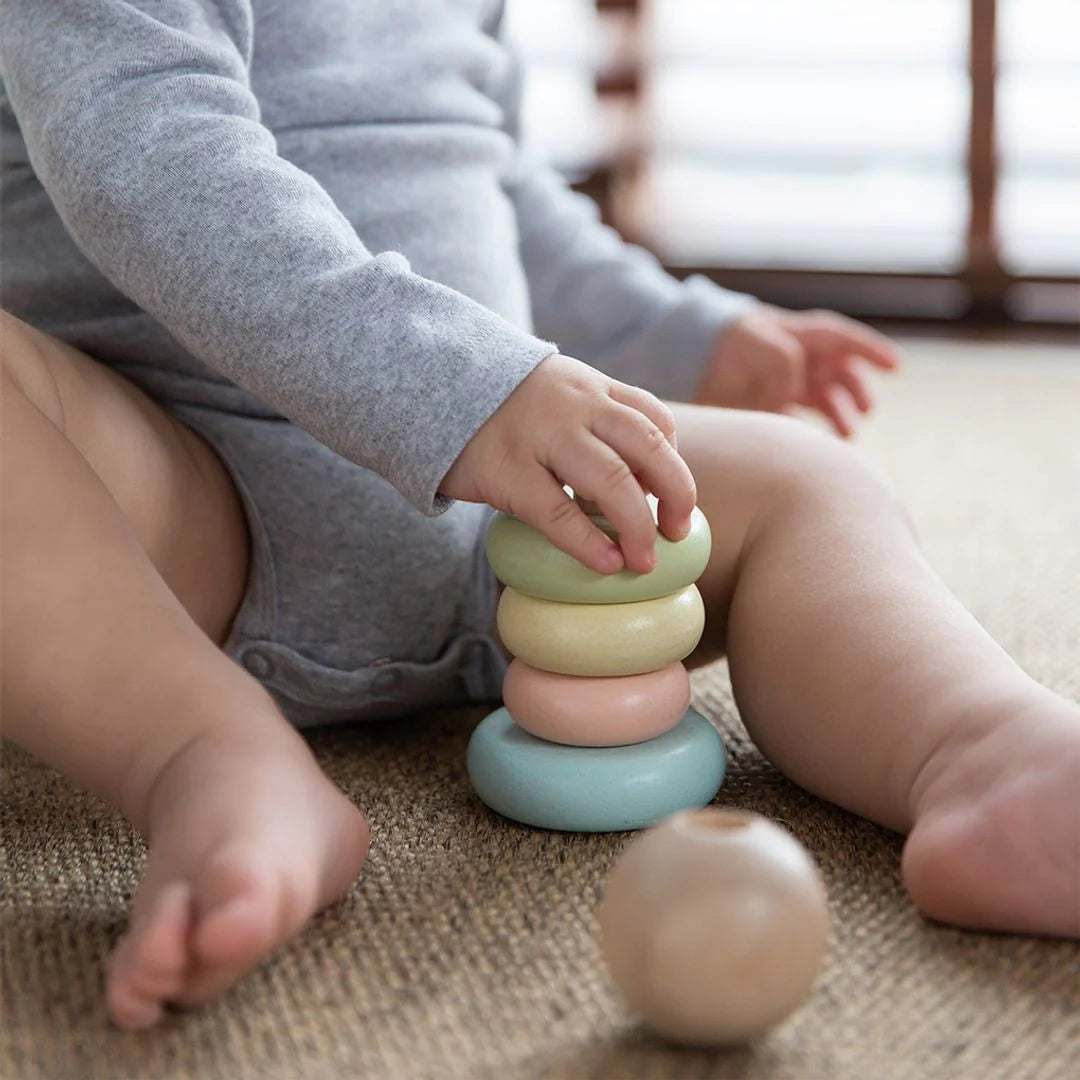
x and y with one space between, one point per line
914 160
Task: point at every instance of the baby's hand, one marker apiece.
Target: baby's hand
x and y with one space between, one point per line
569 424
772 359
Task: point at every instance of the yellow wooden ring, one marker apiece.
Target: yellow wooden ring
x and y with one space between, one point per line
601 639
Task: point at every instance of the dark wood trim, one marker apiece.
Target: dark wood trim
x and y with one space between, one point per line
621 75
619 82
685 270
903 295
984 273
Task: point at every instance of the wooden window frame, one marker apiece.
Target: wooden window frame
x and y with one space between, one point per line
982 283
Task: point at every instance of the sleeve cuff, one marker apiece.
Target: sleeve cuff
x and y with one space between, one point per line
418 474
670 358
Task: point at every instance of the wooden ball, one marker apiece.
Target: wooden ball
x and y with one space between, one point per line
714 925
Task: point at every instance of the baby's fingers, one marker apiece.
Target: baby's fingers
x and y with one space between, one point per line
834 402
855 385
651 406
542 503
650 454
828 331
595 470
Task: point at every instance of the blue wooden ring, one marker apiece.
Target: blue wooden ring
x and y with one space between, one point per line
526 560
594 789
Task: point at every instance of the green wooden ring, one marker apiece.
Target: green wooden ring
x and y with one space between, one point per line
526 560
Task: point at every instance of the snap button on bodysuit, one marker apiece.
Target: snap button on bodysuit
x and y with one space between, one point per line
386 681
259 664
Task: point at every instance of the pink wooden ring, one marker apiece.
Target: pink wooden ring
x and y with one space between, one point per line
596 710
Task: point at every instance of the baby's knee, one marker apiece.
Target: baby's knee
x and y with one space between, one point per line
779 462
810 467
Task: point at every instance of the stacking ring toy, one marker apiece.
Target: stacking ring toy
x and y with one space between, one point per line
601 639
526 560
607 789
598 711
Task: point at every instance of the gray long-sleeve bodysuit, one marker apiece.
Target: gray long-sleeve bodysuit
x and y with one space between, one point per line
308 228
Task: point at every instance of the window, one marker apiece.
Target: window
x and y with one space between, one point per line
854 152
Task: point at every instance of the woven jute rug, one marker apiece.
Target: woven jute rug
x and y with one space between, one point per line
468 949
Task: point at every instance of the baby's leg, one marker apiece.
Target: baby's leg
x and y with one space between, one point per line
124 559
859 675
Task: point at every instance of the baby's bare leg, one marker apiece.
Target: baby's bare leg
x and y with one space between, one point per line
124 559
860 675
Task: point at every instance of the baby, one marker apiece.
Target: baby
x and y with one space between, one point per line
286 288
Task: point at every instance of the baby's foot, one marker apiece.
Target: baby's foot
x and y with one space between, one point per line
247 841
996 840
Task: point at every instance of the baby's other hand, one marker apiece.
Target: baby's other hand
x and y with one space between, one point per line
772 359
566 423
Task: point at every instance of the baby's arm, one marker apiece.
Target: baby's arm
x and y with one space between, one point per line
142 127
613 305
604 300
610 302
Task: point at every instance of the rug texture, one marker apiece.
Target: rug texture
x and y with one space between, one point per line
468 948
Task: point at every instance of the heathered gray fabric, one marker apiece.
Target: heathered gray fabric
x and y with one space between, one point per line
318 210
357 607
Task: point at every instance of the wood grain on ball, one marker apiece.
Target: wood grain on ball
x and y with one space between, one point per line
714 925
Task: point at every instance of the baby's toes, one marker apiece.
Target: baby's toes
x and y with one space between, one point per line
148 965
244 909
